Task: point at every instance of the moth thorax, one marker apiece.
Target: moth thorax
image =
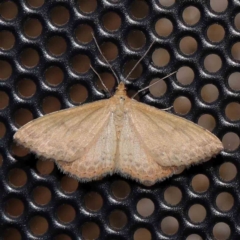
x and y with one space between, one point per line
118 118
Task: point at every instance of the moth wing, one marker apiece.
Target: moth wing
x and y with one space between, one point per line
98 160
172 140
134 159
68 134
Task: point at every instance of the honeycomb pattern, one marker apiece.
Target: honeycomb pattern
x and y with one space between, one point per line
46 49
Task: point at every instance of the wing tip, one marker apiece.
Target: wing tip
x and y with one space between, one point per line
19 140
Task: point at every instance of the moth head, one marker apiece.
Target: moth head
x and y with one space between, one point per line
121 89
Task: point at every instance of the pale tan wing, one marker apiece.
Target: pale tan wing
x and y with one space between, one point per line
134 159
98 160
171 140
65 135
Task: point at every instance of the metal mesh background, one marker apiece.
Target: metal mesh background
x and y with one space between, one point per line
46 48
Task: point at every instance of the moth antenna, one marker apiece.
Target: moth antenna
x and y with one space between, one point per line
140 60
109 65
99 77
152 84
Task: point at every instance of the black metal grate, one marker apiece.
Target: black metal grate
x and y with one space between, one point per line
46 50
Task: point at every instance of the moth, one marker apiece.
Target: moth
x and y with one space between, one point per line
118 135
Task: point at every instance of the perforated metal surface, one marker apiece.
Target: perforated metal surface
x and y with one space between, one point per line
202 42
